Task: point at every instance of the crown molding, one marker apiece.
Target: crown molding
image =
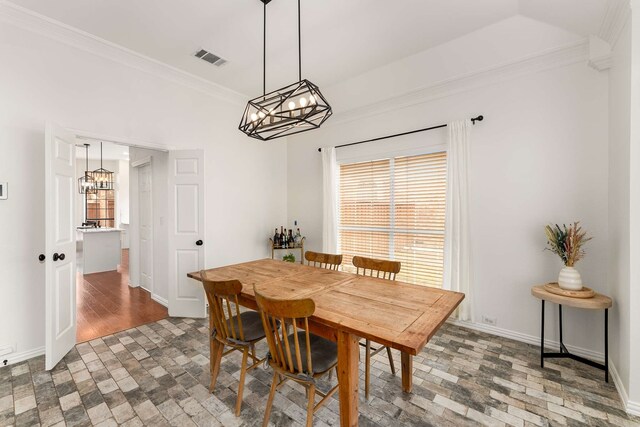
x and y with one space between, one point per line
31 21
614 20
545 60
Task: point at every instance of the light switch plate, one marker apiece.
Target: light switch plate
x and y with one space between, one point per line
4 191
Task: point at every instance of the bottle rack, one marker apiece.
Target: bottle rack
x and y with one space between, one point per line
300 248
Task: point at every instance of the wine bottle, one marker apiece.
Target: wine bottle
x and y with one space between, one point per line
275 238
290 239
283 237
298 238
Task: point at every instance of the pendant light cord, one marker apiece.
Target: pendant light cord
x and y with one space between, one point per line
299 47
100 154
264 50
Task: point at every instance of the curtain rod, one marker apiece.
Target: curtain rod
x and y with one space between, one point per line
473 121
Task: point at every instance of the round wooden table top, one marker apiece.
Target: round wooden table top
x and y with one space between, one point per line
598 302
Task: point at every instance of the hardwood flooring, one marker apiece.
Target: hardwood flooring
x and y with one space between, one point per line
107 304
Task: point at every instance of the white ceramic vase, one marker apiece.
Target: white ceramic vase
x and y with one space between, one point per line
570 279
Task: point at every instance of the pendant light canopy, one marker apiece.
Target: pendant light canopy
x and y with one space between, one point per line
86 183
295 108
102 177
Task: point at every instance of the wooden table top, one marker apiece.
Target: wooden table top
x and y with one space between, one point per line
396 314
597 302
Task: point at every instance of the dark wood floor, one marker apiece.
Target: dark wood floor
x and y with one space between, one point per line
107 304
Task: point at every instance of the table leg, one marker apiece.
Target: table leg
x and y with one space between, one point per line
560 321
542 338
407 372
606 345
348 354
215 356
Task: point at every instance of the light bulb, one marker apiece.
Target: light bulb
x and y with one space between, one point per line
303 102
312 100
261 114
254 117
292 105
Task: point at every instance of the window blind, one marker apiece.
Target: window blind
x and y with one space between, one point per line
394 209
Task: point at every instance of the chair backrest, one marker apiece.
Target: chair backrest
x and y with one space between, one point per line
318 259
286 355
381 268
224 309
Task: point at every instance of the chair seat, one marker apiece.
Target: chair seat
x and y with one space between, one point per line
251 325
324 353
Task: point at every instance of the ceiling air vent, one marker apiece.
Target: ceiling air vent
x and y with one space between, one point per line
211 58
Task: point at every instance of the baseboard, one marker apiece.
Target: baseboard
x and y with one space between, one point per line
14 358
529 339
632 408
160 300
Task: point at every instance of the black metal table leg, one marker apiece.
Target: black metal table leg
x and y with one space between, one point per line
542 338
606 345
560 321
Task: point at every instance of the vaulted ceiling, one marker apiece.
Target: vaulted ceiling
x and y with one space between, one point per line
340 38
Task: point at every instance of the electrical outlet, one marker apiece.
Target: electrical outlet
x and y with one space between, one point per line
489 320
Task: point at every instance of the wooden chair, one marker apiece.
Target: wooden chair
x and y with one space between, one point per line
383 269
300 356
240 331
318 259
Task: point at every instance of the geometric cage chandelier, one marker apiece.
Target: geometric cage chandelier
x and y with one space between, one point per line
298 107
103 178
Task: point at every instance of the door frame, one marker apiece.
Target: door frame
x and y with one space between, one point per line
135 259
82 135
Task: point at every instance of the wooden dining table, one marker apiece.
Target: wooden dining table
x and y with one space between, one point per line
348 308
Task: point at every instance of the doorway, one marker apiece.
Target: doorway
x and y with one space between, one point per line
177 236
108 300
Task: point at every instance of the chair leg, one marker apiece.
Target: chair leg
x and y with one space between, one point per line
311 404
367 368
243 371
393 368
272 393
215 356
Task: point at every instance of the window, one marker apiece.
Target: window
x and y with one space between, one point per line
394 209
101 207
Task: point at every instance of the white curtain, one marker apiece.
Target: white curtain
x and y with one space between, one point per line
329 201
457 253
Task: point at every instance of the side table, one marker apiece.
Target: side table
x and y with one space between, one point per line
598 302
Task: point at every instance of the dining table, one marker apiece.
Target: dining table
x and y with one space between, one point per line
349 308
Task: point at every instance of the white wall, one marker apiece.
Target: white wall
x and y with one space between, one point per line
540 156
619 219
634 201
122 192
42 79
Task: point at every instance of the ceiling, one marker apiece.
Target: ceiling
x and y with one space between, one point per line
340 39
110 151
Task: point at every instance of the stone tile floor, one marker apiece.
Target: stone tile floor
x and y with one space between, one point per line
157 375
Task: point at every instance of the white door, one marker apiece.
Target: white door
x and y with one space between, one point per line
60 243
145 227
186 232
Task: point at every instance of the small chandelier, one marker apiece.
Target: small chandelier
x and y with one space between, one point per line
102 177
86 183
295 108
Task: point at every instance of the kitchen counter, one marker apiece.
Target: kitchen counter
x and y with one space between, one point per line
101 249
98 230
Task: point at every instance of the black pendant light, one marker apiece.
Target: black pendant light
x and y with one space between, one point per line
295 108
102 177
86 183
